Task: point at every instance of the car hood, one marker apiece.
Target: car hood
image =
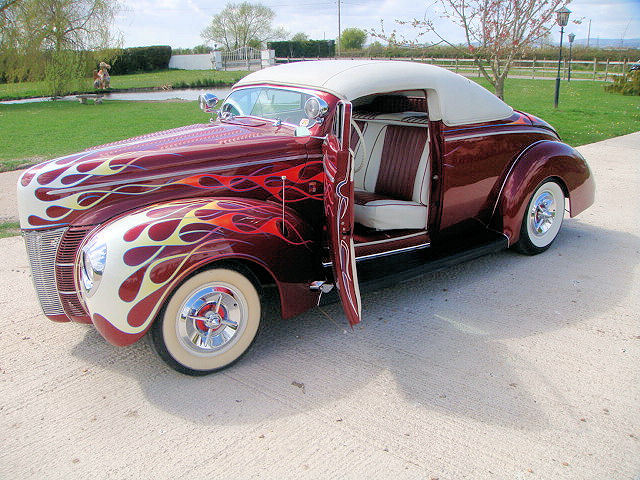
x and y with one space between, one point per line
68 190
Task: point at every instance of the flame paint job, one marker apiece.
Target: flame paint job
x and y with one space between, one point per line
217 159
172 202
152 250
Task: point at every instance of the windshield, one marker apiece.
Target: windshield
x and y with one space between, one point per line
266 102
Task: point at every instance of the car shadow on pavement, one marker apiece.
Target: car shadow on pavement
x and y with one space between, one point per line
456 341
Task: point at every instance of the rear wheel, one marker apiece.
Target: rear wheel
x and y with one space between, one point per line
542 219
210 321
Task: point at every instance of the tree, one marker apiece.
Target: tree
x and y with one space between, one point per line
54 39
300 37
496 31
241 24
352 39
202 49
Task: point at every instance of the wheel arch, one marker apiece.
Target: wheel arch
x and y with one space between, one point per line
542 161
244 231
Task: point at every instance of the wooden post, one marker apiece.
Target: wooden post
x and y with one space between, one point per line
606 71
533 67
624 66
456 65
595 66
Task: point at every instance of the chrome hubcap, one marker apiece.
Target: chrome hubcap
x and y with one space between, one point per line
542 214
212 318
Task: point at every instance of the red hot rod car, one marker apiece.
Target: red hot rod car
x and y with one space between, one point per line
313 175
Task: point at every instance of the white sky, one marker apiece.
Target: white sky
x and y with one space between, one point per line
179 22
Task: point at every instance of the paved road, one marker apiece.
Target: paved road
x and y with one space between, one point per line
507 367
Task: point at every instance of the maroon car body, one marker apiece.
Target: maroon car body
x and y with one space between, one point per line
302 197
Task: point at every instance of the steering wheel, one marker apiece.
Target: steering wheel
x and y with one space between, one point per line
363 147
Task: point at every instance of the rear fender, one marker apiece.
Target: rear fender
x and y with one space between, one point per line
545 159
152 250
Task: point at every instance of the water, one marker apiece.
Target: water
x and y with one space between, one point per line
155 95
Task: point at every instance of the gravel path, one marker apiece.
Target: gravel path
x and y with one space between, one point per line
506 367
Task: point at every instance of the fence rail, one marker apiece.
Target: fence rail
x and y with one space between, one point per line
529 68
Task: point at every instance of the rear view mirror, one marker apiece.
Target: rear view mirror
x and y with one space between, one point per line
208 102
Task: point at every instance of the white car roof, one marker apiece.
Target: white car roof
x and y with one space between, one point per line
452 98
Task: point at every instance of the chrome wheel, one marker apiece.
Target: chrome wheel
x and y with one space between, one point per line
209 321
542 213
211 318
542 219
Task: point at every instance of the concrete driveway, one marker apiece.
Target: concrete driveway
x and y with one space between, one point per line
506 367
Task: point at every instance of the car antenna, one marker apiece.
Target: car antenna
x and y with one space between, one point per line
284 227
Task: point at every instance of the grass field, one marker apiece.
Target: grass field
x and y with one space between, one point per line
51 129
45 130
585 114
159 79
9 229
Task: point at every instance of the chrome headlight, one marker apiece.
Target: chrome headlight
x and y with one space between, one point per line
92 263
315 108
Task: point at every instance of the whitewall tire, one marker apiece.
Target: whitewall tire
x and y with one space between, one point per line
210 321
542 218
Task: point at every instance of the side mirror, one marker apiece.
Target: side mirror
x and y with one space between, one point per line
302 132
208 102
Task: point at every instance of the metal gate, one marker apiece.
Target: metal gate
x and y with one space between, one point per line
243 58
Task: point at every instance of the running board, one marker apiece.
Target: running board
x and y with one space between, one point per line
407 266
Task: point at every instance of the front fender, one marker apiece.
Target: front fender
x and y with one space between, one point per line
151 250
542 160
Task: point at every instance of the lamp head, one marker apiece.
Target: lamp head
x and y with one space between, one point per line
562 16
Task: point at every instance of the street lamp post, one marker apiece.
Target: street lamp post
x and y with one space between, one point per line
562 18
572 37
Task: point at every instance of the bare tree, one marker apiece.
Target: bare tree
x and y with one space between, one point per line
241 24
496 31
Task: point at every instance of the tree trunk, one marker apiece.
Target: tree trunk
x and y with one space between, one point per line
499 87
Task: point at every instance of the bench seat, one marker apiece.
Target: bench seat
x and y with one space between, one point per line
384 213
392 182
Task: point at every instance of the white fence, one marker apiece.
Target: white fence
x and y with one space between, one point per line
529 68
203 61
241 59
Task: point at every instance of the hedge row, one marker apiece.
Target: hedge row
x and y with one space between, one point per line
140 59
308 48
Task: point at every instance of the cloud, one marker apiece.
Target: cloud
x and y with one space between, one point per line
179 22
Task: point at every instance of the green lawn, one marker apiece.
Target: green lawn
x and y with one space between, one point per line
158 79
587 114
51 129
9 229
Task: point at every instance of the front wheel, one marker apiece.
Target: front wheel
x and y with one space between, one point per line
210 321
542 219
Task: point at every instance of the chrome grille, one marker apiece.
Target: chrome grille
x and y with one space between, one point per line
65 263
42 248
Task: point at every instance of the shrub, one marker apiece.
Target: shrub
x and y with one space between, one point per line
309 48
628 84
140 59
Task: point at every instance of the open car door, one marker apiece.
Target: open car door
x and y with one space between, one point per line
338 206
